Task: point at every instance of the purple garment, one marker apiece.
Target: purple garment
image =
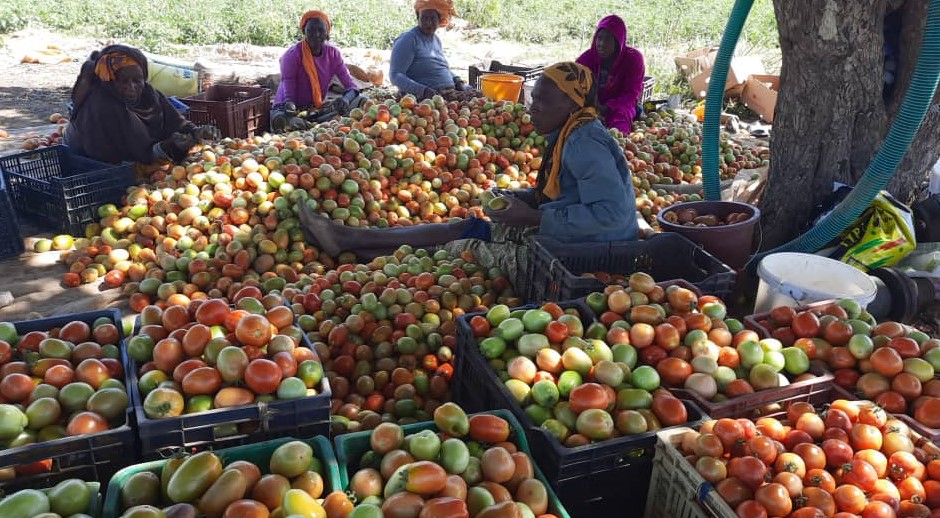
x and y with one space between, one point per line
624 86
295 85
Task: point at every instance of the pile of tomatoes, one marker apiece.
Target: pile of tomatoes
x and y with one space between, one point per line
568 380
850 459
209 355
465 467
386 331
885 362
60 382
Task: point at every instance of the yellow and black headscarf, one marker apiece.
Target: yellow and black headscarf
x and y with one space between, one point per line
110 62
576 82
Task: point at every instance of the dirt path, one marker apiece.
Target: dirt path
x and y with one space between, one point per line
29 92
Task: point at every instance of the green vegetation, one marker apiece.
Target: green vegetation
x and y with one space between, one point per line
660 28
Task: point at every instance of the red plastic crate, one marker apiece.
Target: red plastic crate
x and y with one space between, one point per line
237 111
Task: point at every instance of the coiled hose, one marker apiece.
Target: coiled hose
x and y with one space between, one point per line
911 114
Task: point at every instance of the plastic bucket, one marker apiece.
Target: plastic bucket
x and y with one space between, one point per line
502 87
794 279
729 243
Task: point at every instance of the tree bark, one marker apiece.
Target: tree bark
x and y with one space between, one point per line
831 115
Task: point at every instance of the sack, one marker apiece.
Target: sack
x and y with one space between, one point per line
881 236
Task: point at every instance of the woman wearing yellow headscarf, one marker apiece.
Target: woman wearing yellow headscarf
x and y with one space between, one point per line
308 69
584 191
418 65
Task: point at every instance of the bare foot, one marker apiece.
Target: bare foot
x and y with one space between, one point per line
319 230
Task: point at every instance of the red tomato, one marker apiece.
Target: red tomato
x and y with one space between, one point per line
263 376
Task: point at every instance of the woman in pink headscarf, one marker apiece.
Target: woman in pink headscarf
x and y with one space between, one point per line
618 70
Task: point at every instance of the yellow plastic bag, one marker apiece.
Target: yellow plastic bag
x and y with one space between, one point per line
881 236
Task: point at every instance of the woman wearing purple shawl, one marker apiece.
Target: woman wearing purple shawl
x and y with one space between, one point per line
618 70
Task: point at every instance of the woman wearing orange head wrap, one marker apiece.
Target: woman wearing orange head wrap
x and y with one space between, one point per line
418 65
584 191
308 69
117 116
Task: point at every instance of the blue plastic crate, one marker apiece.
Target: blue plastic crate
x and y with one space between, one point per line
229 427
94 457
11 241
62 190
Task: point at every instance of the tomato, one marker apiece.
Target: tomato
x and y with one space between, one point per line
587 395
792 483
253 330
75 332
903 464
812 425
763 448
263 376
813 456
733 491
927 412
805 325
85 423
16 387
906 347
886 361
670 410
790 462
232 397
841 358
820 478
860 474
892 402
174 317
106 334
750 509
849 498
912 489
203 380
782 316
749 470
774 498
838 333
337 505
163 402
489 428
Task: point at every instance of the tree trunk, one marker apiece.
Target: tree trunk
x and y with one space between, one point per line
831 115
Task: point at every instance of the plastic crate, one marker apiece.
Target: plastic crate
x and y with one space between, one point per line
258 454
529 75
589 479
678 491
746 406
11 241
93 457
62 190
228 427
351 446
555 268
648 83
237 111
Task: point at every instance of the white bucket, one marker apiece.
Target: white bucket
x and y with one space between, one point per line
793 279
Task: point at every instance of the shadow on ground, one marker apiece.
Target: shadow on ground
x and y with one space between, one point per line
24 107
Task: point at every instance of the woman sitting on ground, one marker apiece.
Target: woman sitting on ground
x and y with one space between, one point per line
307 70
117 116
619 72
418 65
584 190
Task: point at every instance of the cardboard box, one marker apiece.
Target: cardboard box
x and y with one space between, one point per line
760 95
741 68
694 62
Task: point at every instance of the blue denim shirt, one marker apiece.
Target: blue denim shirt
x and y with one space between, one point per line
418 62
597 201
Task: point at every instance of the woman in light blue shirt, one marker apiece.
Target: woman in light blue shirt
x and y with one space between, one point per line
418 65
584 191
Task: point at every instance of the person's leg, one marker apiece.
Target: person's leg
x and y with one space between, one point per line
334 239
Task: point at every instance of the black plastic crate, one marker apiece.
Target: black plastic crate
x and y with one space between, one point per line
529 75
226 427
94 457
11 241
555 269
62 190
590 479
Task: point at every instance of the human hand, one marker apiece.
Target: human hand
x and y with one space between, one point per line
517 213
340 106
428 93
206 133
182 142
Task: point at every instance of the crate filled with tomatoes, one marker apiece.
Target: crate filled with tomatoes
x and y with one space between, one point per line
286 476
589 407
387 330
456 465
829 458
65 411
212 375
887 362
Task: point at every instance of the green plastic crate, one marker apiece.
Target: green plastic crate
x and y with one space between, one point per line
351 446
258 454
